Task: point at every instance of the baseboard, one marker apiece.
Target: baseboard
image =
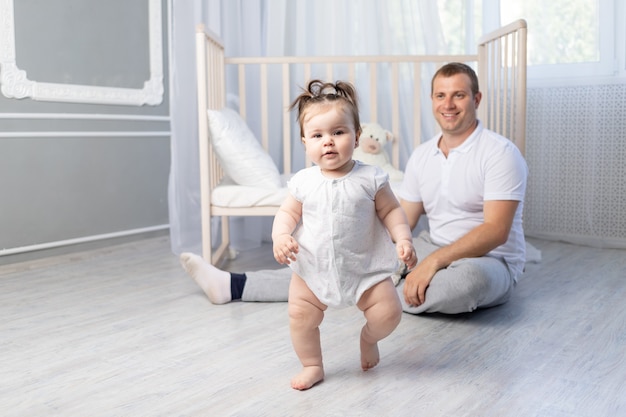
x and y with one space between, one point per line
27 253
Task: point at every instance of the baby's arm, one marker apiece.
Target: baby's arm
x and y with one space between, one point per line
393 217
285 246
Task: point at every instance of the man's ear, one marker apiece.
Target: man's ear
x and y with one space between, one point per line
477 97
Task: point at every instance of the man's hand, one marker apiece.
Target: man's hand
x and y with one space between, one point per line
417 281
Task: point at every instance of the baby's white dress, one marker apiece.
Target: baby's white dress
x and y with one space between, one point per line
344 247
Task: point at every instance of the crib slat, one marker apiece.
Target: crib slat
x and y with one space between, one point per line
494 123
307 78
264 104
286 125
241 71
417 114
520 114
514 80
505 87
395 115
373 90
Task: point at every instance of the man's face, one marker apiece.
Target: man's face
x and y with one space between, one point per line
454 106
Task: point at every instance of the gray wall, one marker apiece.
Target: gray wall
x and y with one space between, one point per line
72 170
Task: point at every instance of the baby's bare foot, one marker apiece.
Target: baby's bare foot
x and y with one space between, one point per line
309 376
369 355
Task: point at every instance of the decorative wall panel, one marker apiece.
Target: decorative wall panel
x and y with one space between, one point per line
15 81
576 152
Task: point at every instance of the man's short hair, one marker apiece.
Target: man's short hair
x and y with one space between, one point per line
454 68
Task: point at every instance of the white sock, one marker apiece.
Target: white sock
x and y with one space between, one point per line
214 282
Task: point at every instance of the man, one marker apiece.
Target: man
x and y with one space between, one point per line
469 181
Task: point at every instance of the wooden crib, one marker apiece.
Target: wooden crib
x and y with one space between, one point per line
263 88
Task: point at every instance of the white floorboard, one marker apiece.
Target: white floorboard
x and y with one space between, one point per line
122 331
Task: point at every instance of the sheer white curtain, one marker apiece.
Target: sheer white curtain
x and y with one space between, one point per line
575 130
277 27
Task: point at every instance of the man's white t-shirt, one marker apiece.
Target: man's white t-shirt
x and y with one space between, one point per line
486 166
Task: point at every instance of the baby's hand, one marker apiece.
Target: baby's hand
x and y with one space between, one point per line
406 253
285 249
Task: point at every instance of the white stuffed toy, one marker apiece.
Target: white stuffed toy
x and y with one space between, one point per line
371 149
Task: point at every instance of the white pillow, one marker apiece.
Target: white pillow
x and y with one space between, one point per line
241 155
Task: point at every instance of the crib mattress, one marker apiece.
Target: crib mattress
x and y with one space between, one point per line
231 194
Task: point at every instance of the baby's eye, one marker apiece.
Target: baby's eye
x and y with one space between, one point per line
339 132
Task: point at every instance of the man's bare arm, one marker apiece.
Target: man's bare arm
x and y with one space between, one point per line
498 214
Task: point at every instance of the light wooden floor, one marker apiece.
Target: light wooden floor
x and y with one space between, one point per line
122 331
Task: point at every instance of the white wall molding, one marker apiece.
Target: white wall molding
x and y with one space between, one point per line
84 116
86 239
15 83
85 134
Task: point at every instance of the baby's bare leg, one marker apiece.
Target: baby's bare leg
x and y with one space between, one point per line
383 310
305 315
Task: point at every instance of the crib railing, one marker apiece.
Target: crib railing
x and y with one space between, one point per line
269 84
502 78
263 88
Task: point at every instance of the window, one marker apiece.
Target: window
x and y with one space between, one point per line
566 38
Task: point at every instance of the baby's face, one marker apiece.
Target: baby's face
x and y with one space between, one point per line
330 138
